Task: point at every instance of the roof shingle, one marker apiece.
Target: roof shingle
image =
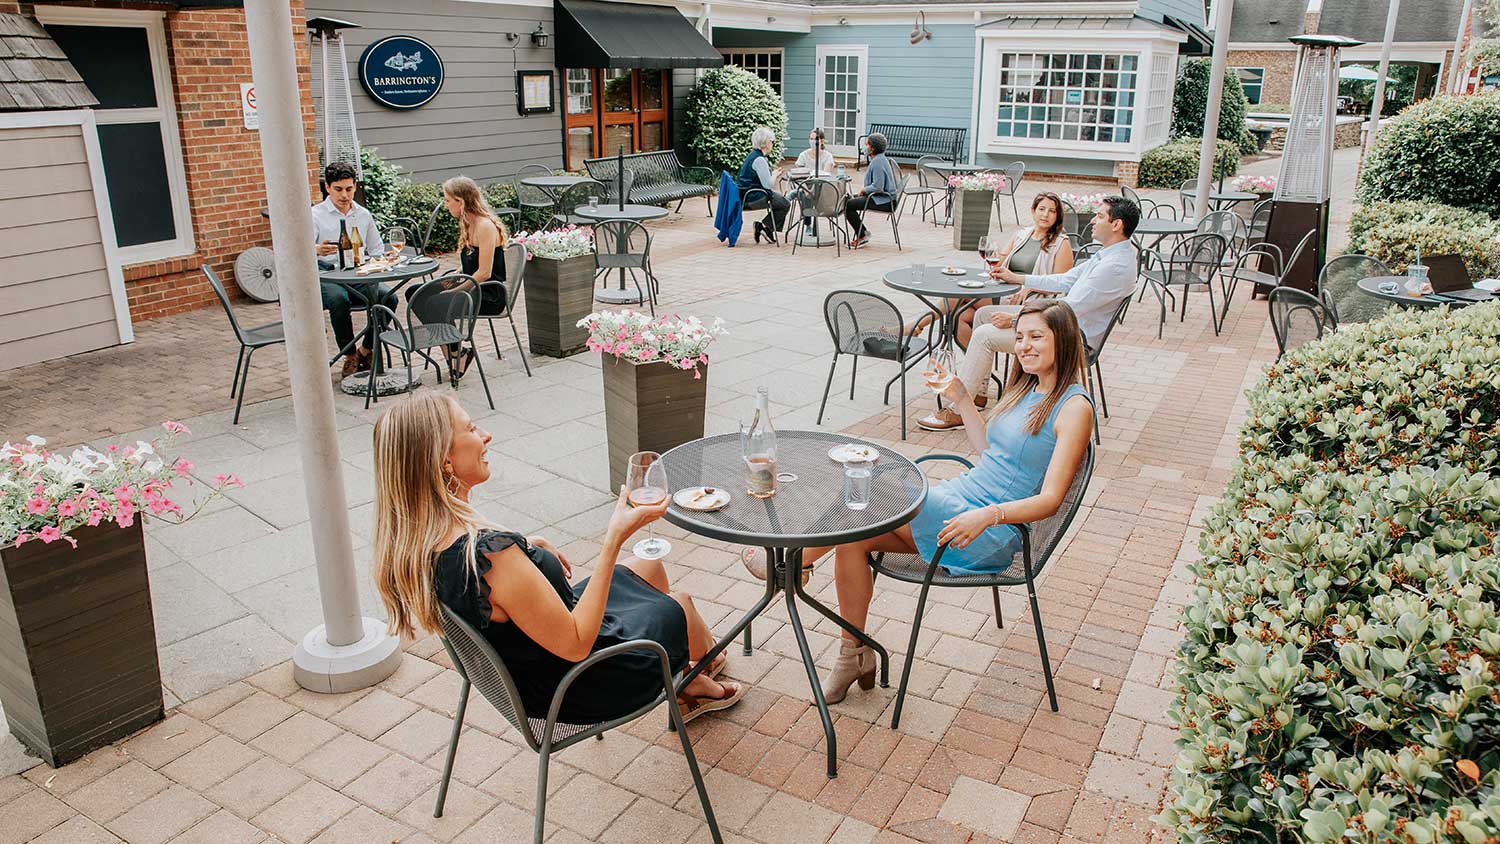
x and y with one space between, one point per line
34 72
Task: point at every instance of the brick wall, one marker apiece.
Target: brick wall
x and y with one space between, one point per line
1279 66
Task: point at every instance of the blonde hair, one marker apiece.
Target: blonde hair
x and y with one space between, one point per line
415 511
465 190
1069 358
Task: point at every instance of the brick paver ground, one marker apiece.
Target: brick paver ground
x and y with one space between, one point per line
246 756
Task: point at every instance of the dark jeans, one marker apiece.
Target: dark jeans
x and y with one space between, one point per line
780 205
340 301
856 204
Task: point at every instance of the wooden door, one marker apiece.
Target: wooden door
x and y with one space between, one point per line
612 108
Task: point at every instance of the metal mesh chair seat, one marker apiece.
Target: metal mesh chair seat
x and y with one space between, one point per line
911 568
1297 317
264 335
1254 276
1176 275
421 337
1338 287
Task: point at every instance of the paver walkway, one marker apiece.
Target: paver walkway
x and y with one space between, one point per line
979 756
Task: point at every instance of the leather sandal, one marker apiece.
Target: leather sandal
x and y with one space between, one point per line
692 706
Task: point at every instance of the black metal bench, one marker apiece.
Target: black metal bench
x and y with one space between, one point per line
656 177
903 141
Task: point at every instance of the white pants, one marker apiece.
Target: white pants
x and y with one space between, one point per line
984 344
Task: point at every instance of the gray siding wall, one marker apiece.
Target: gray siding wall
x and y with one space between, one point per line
1190 11
471 127
54 285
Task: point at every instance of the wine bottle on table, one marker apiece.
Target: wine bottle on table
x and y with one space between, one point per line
346 247
759 445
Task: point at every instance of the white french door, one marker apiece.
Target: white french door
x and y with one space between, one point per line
840 105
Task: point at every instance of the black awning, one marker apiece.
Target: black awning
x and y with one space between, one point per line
592 33
1199 42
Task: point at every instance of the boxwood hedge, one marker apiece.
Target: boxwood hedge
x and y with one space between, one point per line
1439 150
1174 162
1393 231
1340 678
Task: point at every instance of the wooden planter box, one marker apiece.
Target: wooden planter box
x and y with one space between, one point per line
78 664
649 407
558 295
971 217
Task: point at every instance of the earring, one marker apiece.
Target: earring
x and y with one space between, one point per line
451 484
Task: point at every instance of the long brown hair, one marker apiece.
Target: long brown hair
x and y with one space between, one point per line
1057 228
415 510
465 190
1069 349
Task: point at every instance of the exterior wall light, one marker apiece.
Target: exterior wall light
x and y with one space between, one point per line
919 31
539 36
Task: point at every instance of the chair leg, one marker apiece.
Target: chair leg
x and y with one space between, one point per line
828 386
458 725
1213 308
541 795
902 376
1089 373
483 382
520 351
675 714
1041 643
852 370
999 619
1103 401
1014 212
494 338
911 650
234 383
244 376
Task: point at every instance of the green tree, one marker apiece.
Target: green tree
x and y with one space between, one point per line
1190 105
722 111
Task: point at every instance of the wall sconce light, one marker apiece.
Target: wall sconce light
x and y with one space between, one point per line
843 21
539 36
919 32
770 19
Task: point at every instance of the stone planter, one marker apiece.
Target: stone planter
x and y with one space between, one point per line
971 217
649 407
78 663
559 293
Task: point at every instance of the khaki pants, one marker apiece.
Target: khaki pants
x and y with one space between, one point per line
986 342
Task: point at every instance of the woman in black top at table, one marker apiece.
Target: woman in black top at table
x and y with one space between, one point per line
481 251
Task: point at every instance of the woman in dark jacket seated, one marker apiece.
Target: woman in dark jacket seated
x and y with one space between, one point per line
755 175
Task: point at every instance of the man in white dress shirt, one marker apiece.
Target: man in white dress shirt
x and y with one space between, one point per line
1094 290
340 300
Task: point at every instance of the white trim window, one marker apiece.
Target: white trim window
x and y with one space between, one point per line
1086 97
839 99
764 62
1159 108
122 56
1253 80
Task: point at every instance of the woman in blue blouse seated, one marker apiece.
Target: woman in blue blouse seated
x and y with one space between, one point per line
880 178
755 175
1034 443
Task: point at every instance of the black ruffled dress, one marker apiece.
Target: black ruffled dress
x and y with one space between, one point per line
635 610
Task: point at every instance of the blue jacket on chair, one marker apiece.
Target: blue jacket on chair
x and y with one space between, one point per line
727 219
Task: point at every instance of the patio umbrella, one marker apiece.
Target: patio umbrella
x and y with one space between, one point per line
1361 74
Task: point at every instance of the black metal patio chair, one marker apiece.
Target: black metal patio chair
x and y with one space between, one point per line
442 312
1014 173
1093 371
625 245
822 200
1338 287
1038 543
931 189
1297 317
515 277
481 667
865 324
1265 254
892 209
532 199
1192 262
574 196
250 339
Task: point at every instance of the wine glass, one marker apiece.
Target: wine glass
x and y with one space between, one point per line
645 486
395 237
941 373
986 243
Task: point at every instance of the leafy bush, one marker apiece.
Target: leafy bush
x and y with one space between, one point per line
722 111
1190 106
1393 231
1174 162
1340 680
381 180
1485 56
1440 150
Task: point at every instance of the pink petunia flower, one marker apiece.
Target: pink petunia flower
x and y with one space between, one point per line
124 492
175 427
22 539
37 505
183 466
67 508
96 517
49 534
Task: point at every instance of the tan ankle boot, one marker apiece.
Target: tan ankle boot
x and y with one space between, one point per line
855 662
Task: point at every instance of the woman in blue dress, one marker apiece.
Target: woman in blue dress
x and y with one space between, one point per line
1035 441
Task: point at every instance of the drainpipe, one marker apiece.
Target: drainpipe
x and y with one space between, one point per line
1222 11
1378 104
346 652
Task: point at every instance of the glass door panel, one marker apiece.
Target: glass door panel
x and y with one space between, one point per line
841 95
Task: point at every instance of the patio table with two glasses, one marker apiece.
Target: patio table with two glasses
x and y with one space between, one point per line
958 293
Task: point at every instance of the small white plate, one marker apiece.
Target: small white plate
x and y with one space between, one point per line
954 271
844 452
971 284
712 498
423 259
1390 288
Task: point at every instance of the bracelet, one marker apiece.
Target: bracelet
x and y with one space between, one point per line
999 516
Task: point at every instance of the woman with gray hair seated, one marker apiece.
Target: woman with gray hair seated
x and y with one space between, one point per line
880 180
757 185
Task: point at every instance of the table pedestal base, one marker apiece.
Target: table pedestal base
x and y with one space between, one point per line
616 296
784 575
814 234
387 383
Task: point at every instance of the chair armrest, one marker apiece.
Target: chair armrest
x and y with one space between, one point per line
875 194
694 169
594 659
745 195
391 315
950 457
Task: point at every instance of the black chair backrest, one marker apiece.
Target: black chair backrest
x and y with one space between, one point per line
1077 221
450 299
218 286
864 323
1086 251
526 194
1338 287
1198 257
821 198
1014 173
1302 244
1227 225
1129 193
579 194
440 208
476 661
1297 317
1260 220
515 271
928 177
1046 534
1187 201
621 237
1093 353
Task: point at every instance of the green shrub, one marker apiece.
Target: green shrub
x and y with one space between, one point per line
381 180
417 199
1174 162
722 111
1439 150
1485 56
1340 678
1393 231
1190 106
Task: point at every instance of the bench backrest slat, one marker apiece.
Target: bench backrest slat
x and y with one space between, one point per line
646 168
906 141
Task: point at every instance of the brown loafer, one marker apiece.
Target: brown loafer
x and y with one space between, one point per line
981 401
353 363
943 420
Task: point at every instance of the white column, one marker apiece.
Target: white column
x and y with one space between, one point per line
1222 11
1378 103
346 652
1458 45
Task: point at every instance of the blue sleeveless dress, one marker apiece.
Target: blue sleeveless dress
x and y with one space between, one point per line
1012 467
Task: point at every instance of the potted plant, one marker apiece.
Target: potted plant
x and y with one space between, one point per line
559 289
973 194
1262 186
1085 206
655 392
78 663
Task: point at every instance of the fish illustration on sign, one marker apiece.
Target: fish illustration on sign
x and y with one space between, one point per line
404 62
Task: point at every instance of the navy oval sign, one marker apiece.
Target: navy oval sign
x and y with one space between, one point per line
401 71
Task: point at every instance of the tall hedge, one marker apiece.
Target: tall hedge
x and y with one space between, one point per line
1340 678
1394 231
1174 162
1440 150
723 109
1190 106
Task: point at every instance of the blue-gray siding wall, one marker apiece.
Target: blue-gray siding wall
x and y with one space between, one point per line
1190 11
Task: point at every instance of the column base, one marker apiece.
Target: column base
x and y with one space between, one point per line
320 667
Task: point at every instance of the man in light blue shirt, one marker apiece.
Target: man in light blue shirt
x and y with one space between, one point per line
1094 290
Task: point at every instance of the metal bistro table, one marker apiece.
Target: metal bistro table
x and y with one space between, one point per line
386 383
804 513
1162 229
614 211
935 284
554 187
1221 199
1371 286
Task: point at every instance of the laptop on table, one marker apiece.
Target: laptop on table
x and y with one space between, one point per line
1450 278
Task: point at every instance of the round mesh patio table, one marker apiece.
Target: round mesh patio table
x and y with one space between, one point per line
387 382
803 513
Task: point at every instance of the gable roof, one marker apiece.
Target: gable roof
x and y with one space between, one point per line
1261 21
1431 20
34 72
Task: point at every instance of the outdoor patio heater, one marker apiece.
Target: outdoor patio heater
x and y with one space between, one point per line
1302 189
338 140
